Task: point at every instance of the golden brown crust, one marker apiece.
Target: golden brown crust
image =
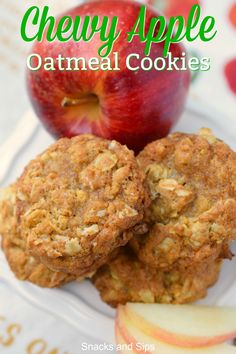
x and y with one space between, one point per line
161 248
192 184
74 202
126 279
24 266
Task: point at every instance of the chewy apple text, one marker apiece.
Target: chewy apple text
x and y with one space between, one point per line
84 29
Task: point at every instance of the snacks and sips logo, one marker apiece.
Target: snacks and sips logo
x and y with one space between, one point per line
119 348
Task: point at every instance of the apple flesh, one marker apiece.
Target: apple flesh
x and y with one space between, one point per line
184 325
127 332
133 107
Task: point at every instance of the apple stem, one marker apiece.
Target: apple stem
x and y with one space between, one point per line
69 102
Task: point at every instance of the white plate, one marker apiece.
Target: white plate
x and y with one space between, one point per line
79 303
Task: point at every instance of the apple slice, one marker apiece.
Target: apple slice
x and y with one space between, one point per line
184 325
122 346
142 344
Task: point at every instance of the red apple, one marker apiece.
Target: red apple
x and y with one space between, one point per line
174 7
146 2
133 107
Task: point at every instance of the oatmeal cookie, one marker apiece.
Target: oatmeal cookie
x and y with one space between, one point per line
24 266
75 200
126 279
192 184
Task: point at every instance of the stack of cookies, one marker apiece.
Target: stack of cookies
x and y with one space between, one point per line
191 180
70 209
149 229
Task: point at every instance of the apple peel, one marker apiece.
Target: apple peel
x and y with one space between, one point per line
122 346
